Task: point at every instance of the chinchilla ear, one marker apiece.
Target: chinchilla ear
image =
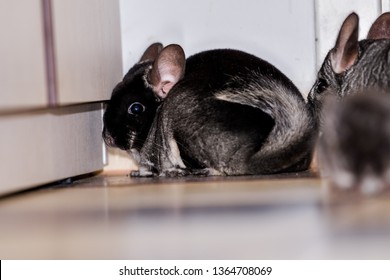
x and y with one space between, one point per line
380 29
151 52
167 70
345 52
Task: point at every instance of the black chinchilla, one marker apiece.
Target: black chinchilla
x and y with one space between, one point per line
220 112
352 103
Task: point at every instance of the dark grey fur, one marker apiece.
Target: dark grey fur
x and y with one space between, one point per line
230 114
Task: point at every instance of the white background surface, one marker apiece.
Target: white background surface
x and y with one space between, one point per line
330 15
294 35
281 32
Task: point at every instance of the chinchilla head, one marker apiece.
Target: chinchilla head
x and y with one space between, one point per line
352 65
134 101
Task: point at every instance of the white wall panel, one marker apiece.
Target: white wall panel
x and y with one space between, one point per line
385 6
330 15
281 32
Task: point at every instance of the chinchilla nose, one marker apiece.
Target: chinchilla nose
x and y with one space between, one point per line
108 139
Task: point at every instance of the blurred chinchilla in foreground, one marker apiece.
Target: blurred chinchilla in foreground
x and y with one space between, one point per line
220 112
354 150
351 102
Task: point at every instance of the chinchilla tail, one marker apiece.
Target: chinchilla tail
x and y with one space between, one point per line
289 145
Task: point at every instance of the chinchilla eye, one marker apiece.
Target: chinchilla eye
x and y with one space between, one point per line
322 85
136 108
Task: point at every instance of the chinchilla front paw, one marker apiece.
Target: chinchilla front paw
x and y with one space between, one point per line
175 172
143 172
181 172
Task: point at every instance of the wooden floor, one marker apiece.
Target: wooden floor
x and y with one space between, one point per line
116 217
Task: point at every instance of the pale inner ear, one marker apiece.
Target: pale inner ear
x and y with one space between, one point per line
167 70
152 52
380 29
345 52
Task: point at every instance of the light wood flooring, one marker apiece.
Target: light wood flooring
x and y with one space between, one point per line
112 216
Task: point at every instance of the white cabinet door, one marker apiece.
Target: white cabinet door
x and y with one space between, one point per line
48 144
22 64
43 146
87 49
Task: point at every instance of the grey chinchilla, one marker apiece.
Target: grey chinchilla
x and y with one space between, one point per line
352 66
352 103
220 112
